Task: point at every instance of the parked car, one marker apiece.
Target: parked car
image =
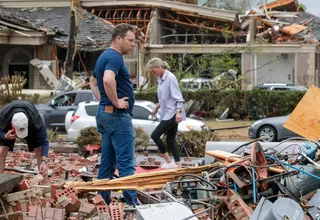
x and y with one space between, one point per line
54 111
85 115
271 129
280 86
194 84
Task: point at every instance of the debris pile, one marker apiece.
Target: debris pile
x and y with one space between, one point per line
257 184
253 181
281 21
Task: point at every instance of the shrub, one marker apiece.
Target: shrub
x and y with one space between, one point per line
141 138
89 135
194 142
250 104
52 135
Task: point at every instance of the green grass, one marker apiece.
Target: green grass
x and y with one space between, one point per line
218 124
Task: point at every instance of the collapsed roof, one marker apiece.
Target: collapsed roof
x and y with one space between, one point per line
281 21
93 32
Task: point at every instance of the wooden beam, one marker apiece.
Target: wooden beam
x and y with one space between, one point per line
106 15
125 9
203 17
266 11
138 14
140 181
116 21
188 19
173 18
114 13
15 26
122 13
197 26
99 14
147 33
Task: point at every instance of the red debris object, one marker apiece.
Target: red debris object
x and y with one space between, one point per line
91 148
258 159
141 170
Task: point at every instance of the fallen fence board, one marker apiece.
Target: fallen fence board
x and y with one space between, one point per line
305 118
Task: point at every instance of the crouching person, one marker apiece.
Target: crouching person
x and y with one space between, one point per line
21 119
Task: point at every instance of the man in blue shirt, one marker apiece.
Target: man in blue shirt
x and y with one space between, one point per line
21 119
111 85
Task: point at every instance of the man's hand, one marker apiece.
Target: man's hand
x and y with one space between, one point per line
122 103
43 168
178 117
10 135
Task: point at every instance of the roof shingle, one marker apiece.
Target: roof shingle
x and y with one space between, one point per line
93 33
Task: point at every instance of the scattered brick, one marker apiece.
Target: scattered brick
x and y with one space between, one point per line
116 211
70 203
102 209
98 200
38 213
66 192
24 184
87 209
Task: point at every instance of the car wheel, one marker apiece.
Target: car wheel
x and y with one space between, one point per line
269 134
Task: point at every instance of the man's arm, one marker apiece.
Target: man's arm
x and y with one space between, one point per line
94 87
43 141
110 86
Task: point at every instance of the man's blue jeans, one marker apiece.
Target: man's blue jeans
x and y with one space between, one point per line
117 149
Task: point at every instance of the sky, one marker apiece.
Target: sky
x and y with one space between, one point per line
313 6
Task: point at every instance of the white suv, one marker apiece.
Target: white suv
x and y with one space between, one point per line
85 116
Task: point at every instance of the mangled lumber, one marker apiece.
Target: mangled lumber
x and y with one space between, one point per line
305 118
223 155
141 181
293 29
227 157
282 5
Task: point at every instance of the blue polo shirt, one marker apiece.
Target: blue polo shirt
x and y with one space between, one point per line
110 59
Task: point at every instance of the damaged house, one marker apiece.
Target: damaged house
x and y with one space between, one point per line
288 45
34 42
277 42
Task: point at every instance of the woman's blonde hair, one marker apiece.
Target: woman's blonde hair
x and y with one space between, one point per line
157 62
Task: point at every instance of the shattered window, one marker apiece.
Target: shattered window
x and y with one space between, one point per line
64 100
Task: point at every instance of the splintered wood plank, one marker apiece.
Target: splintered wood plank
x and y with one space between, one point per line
293 29
223 155
140 181
305 118
227 159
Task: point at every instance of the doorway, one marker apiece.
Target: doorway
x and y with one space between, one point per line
21 69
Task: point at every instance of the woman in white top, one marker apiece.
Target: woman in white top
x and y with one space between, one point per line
172 110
